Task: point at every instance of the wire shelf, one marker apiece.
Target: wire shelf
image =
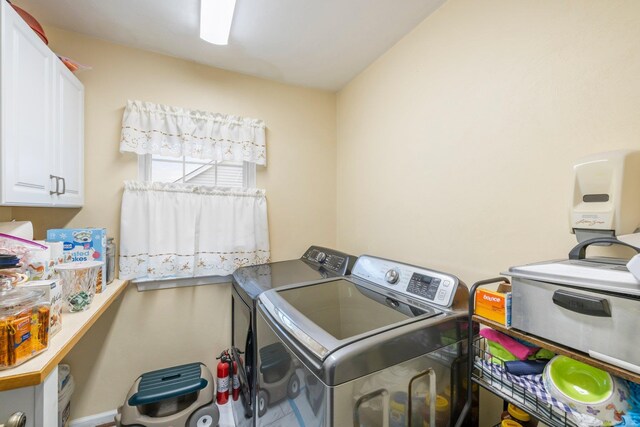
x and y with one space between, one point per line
498 384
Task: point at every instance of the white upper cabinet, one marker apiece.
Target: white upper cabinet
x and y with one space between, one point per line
27 117
41 121
69 138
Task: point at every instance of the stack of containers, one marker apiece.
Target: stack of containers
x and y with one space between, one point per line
33 271
66 385
30 267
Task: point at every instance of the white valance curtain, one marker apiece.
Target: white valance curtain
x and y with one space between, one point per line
149 128
181 230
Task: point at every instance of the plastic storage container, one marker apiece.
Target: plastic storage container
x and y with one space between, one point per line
53 294
521 417
110 259
24 324
66 386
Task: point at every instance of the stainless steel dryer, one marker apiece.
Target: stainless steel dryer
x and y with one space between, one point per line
248 283
382 347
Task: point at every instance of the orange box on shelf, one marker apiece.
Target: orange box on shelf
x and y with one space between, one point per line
495 305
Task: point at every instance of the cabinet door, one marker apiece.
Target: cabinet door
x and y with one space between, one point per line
27 134
69 140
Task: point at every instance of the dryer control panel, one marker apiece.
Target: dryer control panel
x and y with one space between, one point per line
329 259
427 285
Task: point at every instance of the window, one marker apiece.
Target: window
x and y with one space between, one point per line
189 170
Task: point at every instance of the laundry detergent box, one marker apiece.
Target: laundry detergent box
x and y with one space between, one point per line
83 244
52 293
495 305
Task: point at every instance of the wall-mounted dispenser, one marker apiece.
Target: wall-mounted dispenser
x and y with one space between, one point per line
606 195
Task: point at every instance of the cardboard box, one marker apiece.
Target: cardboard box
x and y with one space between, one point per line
83 244
53 293
495 305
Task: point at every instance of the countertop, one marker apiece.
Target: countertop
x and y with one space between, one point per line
74 326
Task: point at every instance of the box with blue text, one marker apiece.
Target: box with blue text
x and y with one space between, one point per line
83 244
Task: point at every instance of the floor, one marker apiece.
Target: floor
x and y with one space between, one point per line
226 416
289 413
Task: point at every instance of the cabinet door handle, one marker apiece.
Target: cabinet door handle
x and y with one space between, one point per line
57 181
64 186
18 419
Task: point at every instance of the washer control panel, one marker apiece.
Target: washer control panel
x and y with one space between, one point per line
331 260
420 283
392 276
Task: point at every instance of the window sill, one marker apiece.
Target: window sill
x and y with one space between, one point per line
178 282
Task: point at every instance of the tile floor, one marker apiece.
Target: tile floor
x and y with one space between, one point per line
226 416
287 413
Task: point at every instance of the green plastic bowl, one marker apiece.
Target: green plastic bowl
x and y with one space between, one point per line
580 382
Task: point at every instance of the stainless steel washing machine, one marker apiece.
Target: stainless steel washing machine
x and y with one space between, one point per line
248 283
382 347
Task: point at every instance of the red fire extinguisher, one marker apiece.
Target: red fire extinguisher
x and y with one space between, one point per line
236 382
222 380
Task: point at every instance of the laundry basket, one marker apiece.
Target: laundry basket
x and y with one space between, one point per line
178 396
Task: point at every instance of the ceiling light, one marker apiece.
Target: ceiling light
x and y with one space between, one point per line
215 20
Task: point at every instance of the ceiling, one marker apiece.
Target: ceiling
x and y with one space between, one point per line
314 43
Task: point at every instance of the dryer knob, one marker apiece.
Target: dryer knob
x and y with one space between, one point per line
392 277
321 257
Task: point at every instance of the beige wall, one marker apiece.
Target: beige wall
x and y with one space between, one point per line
150 330
466 130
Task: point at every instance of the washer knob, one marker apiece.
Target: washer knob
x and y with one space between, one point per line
392 277
321 257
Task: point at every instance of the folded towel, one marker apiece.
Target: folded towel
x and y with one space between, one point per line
527 343
499 353
526 367
543 354
521 351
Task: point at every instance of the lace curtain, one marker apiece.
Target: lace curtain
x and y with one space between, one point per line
181 230
149 128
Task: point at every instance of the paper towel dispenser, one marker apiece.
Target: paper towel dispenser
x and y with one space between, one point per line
606 195
23 229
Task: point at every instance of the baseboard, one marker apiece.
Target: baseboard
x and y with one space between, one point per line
94 420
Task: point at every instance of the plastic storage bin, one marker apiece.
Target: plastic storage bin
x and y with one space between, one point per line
24 324
66 386
178 396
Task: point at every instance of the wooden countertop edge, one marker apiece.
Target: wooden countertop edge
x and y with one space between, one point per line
560 349
37 377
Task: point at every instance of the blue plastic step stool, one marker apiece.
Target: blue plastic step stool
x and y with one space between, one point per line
177 396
